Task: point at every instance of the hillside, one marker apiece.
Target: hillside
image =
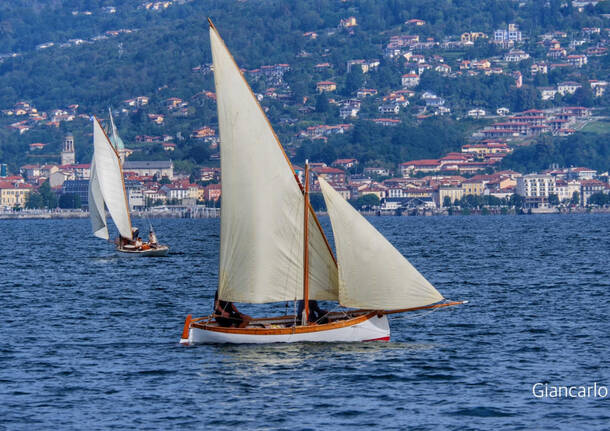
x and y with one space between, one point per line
94 54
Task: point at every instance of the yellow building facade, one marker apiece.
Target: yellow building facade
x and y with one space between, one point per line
12 196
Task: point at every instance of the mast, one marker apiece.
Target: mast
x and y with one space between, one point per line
305 317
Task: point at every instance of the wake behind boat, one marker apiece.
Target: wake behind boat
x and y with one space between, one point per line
107 188
273 249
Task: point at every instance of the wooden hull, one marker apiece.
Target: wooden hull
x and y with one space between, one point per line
364 327
161 250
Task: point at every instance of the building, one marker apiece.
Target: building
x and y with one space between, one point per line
212 192
326 86
389 108
79 188
511 34
377 171
516 55
414 166
348 22
474 187
135 195
68 156
590 187
150 168
476 113
454 193
565 189
332 175
344 163
13 195
569 87
410 80
536 188
547 93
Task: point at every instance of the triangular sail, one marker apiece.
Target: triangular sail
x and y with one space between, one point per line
97 213
261 247
372 273
110 180
115 139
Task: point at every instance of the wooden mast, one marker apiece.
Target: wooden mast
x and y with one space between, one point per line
305 317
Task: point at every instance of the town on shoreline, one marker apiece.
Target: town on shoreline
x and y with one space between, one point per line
458 183
421 187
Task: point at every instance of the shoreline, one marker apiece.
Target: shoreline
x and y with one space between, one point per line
215 213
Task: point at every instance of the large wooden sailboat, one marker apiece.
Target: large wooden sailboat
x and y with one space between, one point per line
273 249
107 187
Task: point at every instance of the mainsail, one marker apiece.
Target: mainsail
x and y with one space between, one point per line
109 176
261 242
97 213
372 273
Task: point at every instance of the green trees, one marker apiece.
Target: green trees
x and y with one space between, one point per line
69 200
43 198
322 105
553 199
600 199
580 149
366 201
34 201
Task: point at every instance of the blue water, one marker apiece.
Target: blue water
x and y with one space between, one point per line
90 339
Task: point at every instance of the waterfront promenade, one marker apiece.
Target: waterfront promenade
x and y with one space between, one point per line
168 211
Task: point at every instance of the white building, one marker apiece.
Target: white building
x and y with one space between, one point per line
568 87
511 34
536 188
150 168
516 55
476 113
547 93
410 80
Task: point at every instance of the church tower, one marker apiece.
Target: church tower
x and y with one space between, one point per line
68 156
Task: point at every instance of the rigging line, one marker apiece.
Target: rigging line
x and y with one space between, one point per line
331 311
416 316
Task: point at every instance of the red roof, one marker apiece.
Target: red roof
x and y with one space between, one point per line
425 162
327 170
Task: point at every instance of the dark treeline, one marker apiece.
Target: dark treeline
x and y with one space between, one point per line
581 149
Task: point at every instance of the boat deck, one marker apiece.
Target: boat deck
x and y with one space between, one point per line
288 321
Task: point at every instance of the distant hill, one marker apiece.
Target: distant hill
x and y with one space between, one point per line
99 53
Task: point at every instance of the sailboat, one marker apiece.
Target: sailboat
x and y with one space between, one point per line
273 249
107 188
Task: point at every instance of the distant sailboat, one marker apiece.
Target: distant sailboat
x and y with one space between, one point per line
272 248
107 187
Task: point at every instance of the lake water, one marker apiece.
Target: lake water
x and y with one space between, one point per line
90 339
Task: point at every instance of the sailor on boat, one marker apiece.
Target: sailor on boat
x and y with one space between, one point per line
227 315
316 314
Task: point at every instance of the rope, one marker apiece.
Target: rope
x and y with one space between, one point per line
417 316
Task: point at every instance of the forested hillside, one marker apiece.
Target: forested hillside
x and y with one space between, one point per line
103 53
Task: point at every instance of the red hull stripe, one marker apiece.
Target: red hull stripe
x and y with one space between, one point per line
378 339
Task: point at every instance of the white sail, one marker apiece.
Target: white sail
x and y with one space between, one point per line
115 139
262 232
372 273
97 213
110 179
